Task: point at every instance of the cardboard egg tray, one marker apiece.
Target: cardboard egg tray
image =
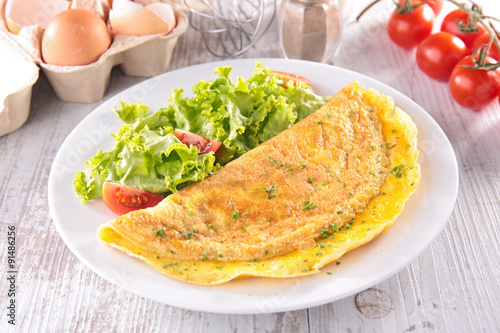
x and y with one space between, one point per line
136 55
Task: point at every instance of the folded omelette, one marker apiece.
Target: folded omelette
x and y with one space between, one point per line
297 202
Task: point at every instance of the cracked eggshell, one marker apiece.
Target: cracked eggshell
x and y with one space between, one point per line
132 18
99 7
25 13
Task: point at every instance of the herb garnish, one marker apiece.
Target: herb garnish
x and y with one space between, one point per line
159 232
189 234
322 245
397 171
309 205
334 227
325 233
269 192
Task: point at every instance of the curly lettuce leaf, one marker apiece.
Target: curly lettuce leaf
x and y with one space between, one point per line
130 112
241 114
146 160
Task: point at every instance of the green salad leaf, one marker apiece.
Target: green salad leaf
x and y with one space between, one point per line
240 114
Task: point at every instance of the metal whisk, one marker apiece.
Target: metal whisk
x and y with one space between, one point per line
231 27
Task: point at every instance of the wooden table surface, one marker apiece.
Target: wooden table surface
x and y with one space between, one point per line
451 287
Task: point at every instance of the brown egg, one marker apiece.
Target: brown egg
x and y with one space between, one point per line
75 37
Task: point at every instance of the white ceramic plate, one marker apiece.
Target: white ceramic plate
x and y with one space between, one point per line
424 217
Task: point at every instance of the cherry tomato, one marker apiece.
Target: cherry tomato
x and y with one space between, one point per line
122 199
294 77
474 89
450 25
436 5
408 30
483 40
203 144
438 54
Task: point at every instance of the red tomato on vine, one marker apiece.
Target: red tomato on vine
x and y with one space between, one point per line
458 17
436 5
483 41
474 88
438 54
409 24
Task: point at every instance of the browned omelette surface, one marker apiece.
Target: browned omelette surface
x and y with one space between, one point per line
293 191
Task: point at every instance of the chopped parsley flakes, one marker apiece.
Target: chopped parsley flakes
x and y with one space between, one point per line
309 205
325 233
270 190
334 227
397 171
189 234
159 233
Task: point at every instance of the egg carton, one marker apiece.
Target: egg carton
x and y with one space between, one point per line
145 56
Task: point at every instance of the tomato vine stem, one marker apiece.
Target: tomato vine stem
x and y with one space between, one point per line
366 9
476 15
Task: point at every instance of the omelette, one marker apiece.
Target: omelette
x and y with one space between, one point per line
297 202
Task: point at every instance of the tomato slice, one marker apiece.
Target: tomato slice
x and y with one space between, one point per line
203 144
293 77
122 199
